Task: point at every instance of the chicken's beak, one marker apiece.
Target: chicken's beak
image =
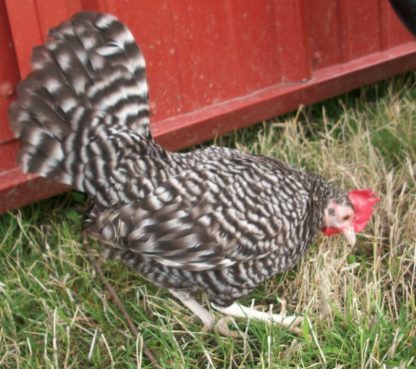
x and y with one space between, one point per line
349 234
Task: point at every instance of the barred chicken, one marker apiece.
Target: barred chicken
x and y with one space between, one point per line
214 220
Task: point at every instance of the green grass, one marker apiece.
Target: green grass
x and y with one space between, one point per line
359 303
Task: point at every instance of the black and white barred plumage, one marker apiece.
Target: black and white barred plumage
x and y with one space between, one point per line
213 220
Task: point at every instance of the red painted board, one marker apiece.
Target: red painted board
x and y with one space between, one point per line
8 152
18 189
360 28
22 17
393 32
206 123
292 40
9 75
323 32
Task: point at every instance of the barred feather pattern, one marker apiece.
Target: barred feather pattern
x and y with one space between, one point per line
76 110
214 220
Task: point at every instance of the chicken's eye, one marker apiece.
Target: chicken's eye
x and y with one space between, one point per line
346 217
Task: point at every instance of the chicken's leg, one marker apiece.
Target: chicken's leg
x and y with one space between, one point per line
210 323
240 311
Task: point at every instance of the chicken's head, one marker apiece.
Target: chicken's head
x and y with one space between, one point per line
350 215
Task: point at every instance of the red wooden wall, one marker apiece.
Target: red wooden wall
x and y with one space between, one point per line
215 65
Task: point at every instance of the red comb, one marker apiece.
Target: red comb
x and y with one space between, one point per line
363 202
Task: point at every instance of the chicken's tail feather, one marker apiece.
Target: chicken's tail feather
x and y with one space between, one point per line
87 87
